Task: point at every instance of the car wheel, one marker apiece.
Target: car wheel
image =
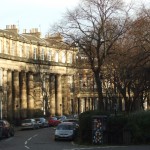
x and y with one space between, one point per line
8 134
34 127
1 133
12 133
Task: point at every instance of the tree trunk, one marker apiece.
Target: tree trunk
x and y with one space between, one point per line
99 91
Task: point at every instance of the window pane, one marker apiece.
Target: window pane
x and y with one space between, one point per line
70 58
49 56
7 47
42 54
34 53
13 49
21 50
56 57
27 51
63 57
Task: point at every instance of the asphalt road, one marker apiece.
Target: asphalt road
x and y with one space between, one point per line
43 139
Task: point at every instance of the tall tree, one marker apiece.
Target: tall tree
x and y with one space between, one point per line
94 27
132 63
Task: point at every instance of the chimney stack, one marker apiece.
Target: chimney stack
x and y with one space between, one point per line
35 32
12 28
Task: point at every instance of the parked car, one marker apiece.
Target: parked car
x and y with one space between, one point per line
29 124
42 122
53 121
66 131
61 118
75 121
6 129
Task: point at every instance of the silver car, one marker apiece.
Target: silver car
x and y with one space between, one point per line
66 131
29 124
42 122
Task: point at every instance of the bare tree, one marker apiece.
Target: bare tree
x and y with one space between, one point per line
94 27
43 88
132 63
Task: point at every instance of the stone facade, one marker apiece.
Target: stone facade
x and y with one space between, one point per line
33 69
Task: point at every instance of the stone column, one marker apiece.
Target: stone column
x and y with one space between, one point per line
5 88
9 95
52 95
66 96
78 99
85 104
93 103
80 105
89 103
59 96
23 102
30 96
16 95
75 102
47 95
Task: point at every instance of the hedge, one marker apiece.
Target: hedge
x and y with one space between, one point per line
133 128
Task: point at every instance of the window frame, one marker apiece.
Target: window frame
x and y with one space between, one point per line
34 53
42 54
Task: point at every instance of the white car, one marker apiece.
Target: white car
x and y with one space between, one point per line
66 131
42 122
29 124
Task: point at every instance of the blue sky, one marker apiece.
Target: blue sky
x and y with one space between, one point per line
27 14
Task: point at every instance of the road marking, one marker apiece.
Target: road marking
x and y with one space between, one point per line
26 142
27 147
35 135
29 138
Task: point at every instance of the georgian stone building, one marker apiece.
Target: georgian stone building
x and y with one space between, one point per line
32 68
40 75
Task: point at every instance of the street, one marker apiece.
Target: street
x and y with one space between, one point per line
43 139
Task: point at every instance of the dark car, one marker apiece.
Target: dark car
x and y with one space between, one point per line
6 129
53 121
75 121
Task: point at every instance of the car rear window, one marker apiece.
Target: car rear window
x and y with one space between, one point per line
65 127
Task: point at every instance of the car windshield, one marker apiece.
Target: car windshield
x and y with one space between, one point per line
53 118
65 127
26 121
37 119
71 120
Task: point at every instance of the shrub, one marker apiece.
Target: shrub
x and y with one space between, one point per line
139 126
133 128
